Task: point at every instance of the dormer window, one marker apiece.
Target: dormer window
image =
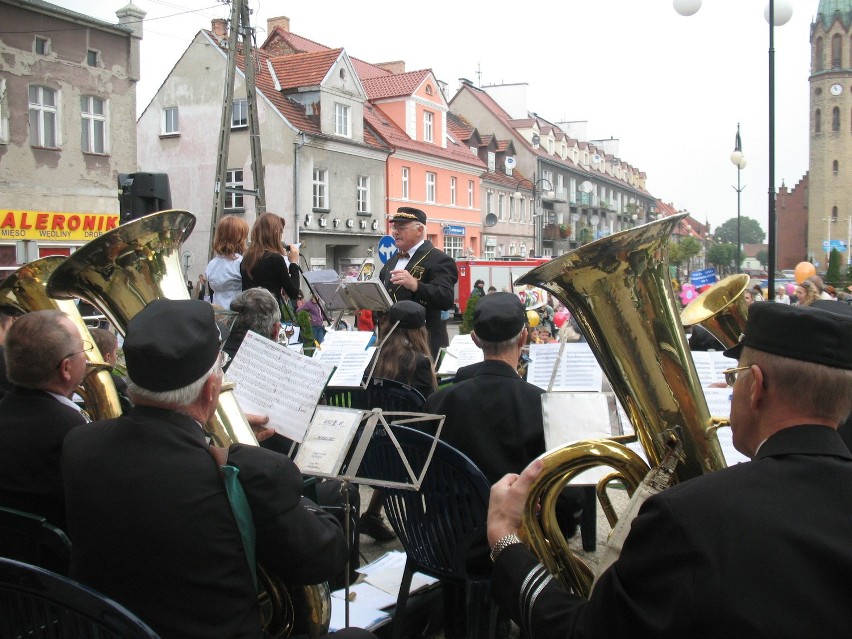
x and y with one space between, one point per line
41 46
92 57
428 89
492 161
428 126
342 120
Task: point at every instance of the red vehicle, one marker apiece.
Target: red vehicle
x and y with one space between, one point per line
497 273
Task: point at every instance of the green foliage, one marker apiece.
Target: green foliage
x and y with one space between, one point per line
585 235
467 319
833 273
721 256
763 257
306 332
690 247
750 231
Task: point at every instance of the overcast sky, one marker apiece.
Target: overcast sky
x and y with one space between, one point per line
671 89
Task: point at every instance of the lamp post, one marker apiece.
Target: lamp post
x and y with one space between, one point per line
738 159
777 12
828 222
537 215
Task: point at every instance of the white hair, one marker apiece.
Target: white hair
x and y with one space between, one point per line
177 398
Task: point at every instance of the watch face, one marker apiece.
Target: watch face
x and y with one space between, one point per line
836 89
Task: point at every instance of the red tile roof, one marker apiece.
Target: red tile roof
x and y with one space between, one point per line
304 69
394 86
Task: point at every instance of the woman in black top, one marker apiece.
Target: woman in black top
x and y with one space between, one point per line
264 264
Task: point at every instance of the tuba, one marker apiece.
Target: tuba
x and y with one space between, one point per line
721 309
618 290
25 290
120 272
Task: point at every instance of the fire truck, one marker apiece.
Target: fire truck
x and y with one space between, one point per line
497 273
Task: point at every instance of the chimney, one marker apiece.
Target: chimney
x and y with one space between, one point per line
395 67
219 26
280 21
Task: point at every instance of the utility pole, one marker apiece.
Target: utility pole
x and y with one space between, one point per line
240 28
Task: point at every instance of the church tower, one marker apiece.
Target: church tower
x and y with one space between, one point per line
830 175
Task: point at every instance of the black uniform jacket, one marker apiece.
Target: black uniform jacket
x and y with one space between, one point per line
33 424
436 274
761 549
152 527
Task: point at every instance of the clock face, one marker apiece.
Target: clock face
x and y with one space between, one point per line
836 89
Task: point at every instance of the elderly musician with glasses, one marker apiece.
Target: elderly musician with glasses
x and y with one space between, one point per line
46 361
760 549
420 272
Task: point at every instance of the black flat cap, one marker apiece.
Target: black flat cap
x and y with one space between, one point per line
498 317
806 333
409 314
408 214
171 344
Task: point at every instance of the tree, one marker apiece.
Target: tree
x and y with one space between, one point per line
721 256
750 231
690 247
833 273
467 319
763 257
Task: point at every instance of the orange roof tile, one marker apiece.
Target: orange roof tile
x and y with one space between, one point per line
394 86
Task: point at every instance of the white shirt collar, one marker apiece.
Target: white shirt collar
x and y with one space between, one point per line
402 262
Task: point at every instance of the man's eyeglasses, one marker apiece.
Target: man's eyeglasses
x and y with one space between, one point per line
731 374
87 348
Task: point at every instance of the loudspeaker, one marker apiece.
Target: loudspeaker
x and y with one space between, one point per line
142 193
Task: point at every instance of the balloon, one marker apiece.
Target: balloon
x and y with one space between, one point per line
533 318
560 318
791 288
803 271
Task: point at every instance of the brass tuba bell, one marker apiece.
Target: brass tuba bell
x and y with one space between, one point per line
26 291
721 309
618 290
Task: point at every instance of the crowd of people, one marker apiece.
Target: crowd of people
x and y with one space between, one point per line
156 513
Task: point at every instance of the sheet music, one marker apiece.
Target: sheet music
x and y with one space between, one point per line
709 366
327 441
461 352
350 365
274 380
578 369
339 295
345 341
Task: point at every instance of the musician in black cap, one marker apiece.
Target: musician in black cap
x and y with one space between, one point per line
148 514
420 272
760 549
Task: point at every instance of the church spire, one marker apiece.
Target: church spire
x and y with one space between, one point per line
829 10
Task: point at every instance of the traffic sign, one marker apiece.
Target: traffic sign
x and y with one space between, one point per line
838 245
387 248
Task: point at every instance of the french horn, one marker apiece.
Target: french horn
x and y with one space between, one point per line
122 271
25 290
619 292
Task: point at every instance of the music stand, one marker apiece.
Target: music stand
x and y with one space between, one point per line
333 449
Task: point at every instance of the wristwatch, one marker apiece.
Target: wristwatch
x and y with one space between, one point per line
502 543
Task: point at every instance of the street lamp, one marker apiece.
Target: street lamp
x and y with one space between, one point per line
548 193
738 159
775 18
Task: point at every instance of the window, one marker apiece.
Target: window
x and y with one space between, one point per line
836 50
239 113
454 246
428 123
835 167
489 202
43 117
92 58
522 209
834 214
405 182
234 180
835 119
320 189
513 211
501 206
489 249
819 54
94 129
363 194
431 180
4 113
170 121
341 120
492 161
817 121
470 198
41 46
453 191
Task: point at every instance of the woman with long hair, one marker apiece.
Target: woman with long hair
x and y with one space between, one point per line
264 263
404 357
806 293
223 271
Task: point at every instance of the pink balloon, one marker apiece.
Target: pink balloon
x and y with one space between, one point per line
560 318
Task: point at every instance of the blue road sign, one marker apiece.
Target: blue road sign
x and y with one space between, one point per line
387 248
838 245
703 277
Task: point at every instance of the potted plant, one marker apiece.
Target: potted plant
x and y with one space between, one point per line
564 231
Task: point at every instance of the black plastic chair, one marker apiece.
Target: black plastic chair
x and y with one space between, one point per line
438 524
30 538
387 394
35 602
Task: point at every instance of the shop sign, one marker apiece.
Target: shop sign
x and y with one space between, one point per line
49 226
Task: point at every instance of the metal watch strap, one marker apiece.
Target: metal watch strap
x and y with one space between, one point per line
503 543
